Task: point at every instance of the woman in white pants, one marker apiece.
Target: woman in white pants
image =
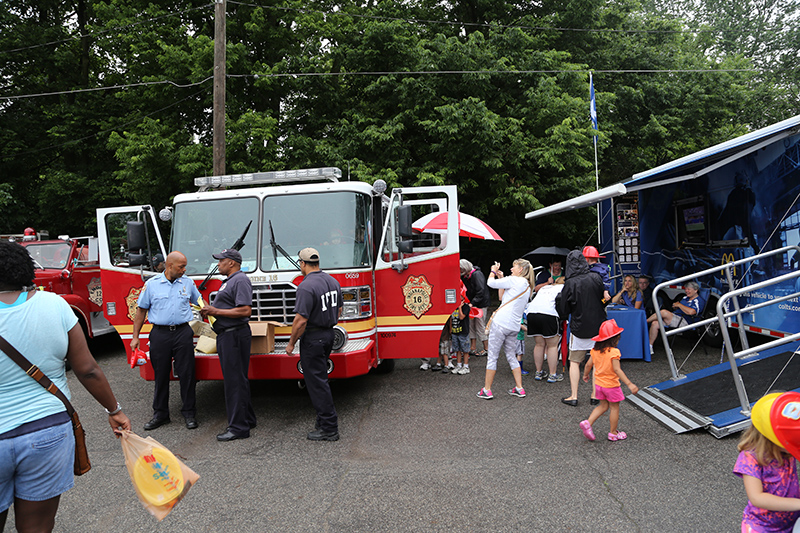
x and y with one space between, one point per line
515 291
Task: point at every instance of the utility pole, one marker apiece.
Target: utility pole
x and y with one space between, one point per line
219 87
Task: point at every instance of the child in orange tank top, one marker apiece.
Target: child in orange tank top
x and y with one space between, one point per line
607 375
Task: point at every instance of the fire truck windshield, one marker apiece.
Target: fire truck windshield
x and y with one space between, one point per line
206 227
49 255
333 222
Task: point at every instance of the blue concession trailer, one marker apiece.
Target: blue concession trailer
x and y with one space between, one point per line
727 217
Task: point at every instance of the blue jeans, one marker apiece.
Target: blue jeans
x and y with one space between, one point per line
37 466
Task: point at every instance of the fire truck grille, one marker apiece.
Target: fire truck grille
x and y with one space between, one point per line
274 302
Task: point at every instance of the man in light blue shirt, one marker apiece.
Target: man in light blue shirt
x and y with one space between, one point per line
167 297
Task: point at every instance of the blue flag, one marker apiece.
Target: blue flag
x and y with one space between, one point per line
592 105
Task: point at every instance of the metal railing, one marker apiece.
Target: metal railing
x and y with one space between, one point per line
722 316
732 296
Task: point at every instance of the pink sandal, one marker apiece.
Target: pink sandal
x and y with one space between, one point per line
587 430
620 435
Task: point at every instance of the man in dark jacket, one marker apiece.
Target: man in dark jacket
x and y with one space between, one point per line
478 295
581 300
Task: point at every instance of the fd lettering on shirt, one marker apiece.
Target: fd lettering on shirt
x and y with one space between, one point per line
328 300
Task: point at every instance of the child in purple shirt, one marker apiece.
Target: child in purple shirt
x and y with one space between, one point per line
770 480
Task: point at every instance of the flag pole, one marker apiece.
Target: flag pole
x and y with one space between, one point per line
593 114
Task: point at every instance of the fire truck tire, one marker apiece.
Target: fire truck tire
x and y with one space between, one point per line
713 334
384 367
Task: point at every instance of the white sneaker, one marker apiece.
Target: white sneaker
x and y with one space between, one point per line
463 370
450 367
425 366
651 350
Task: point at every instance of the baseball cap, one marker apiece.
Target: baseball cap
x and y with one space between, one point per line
309 255
228 254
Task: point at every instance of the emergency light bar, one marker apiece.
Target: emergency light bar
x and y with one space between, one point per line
270 178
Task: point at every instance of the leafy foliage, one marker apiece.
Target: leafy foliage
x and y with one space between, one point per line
490 96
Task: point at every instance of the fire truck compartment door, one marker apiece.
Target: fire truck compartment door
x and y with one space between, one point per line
416 292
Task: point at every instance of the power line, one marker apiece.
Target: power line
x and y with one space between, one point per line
445 72
503 26
107 88
398 19
103 132
108 30
389 73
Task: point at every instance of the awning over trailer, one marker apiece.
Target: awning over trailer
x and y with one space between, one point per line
686 168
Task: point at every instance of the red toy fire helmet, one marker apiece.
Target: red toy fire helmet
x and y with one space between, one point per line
608 329
590 252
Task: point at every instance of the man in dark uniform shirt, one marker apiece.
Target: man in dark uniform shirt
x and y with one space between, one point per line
317 307
232 309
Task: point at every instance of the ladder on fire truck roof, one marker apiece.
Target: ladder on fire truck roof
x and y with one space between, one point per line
716 398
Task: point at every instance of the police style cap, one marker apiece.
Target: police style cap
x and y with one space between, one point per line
228 254
309 255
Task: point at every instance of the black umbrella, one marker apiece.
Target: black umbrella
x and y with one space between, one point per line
544 254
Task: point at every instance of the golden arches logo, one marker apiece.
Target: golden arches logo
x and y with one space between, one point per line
729 258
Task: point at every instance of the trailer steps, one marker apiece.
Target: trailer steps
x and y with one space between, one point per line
667 411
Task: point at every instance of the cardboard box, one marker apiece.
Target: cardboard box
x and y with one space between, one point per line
263 336
207 344
201 328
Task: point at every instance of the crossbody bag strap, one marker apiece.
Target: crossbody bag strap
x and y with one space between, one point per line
35 372
503 305
508 302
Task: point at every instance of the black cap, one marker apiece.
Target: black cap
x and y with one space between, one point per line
228 254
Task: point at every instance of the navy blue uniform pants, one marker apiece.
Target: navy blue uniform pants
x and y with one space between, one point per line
233 347
315 349
166 346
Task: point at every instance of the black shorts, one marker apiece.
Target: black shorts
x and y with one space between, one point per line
544 325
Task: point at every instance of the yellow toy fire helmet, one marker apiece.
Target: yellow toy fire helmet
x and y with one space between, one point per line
760 416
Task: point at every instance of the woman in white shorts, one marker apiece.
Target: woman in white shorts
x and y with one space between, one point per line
515 290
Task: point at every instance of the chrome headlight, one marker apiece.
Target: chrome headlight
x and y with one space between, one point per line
356 302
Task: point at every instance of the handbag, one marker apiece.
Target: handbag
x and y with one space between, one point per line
489 322
82 464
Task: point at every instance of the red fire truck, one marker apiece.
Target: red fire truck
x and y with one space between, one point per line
69 267
398 287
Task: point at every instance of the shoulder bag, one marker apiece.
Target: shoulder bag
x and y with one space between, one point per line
489 322
82 464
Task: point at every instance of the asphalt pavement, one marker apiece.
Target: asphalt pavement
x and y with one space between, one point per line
418 452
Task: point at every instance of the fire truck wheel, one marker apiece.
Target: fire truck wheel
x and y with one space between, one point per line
713 334
384 367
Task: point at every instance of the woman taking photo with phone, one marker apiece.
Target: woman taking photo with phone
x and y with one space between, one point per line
515 291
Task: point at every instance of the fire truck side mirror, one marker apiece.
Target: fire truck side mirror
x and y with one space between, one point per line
405 247
137 259
404 221
136 236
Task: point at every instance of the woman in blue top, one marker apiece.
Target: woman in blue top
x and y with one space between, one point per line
629 295
37 446
685 312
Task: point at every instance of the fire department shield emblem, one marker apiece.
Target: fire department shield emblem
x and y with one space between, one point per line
95 292
131 299
417 292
